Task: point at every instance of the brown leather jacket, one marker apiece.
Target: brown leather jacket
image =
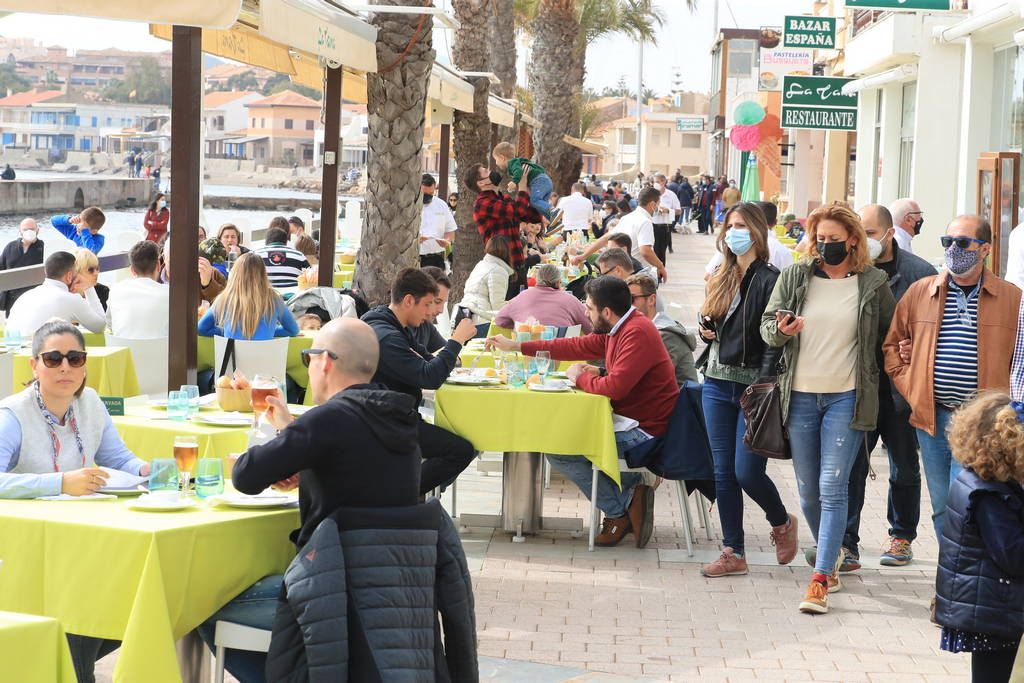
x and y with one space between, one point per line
918 318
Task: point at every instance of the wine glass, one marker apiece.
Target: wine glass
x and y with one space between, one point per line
499 360
186 451
262 387
543 359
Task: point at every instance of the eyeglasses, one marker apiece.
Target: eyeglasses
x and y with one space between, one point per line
611 270
306 353
54 359
641 296
962 242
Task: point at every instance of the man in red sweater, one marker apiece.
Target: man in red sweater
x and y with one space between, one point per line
640 380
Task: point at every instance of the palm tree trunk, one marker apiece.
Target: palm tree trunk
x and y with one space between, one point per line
551 80
472 132
503 45
396 97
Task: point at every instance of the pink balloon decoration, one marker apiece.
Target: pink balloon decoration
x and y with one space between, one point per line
745 138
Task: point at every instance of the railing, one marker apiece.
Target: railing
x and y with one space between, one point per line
864 19
30 276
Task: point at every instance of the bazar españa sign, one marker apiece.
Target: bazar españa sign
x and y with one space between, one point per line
817 102
809 32
908 5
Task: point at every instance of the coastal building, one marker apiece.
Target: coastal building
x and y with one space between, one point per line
226 119
282 128
55 67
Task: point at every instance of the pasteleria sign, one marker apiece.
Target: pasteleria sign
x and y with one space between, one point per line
809 32
818 102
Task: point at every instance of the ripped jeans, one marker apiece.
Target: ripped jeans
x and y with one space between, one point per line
824 451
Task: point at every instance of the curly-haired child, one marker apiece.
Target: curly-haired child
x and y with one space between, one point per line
980 583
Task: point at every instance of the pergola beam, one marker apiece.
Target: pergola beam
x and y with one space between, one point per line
329 186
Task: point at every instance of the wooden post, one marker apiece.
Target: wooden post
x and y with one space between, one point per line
442 168
329 192
186 163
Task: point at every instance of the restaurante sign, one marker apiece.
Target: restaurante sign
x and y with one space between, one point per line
818 102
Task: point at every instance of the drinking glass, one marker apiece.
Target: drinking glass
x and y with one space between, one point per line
12 339
543 360
232 257
209 477
186 450
514 368
548 333
262 387
163 475
191 392
177 405
499 360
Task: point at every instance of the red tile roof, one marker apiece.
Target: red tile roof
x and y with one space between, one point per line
23 99
286 98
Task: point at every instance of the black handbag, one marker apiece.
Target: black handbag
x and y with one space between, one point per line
766 434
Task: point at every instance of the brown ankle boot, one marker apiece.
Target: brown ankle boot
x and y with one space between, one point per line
785 539
641 514
613 529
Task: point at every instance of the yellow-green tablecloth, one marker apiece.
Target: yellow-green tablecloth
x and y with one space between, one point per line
205 357
91 338
149 434
144 578
574 423
485 359
108 369
34 650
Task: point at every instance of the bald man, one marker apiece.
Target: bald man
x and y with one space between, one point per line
356 448
27 250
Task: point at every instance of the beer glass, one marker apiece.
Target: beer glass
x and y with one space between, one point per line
262 387
186 451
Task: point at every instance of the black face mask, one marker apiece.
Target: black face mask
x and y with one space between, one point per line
495 178
917 226
427 198
832 253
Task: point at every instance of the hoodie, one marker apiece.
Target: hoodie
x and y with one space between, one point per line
405 365
359 449
680 345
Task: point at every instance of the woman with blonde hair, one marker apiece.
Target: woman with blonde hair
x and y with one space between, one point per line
979 586
735 357
87 267
829 316
248 308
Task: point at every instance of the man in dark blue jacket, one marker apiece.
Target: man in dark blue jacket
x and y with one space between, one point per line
408 367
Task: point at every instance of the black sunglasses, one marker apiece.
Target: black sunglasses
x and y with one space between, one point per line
53 359
962 242
306 353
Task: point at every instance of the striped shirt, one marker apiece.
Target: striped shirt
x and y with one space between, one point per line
956 351
283 264
1017 369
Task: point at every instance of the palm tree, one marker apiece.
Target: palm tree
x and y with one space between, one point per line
472 134
503 45
396 97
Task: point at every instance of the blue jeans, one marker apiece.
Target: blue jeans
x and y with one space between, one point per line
824 451
940 468
541 188
255 606
611 500
737 468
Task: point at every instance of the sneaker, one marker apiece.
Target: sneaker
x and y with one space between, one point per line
727 564
784 538
816 599
897 554
613 529
850 563
641 514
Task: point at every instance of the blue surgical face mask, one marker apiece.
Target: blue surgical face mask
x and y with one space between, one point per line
738 240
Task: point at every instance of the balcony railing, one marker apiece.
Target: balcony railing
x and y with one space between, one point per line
864 19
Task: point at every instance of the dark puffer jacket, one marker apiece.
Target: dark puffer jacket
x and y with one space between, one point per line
972 592
360 602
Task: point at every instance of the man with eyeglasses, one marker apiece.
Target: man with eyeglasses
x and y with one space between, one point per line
908 219
679 342
934 351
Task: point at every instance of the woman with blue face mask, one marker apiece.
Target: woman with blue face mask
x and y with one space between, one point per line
736 356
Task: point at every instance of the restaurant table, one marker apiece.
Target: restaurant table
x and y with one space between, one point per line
145 578
205 359
91 338
485 359
34 650
149 434
108 369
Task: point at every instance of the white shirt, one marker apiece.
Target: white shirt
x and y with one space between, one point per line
138 309
1015 260
669 201
637 224
577 211
435 222
903 239
778 255
53 300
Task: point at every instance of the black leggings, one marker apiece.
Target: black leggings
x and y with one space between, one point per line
992 667
445 455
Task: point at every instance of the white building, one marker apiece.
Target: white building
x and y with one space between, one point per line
226 118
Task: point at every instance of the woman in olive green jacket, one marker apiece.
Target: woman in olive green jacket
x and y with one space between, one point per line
830 316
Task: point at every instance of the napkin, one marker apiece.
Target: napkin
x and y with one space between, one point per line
116 479
621 423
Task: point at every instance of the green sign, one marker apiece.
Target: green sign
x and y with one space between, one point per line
810 32
114 404
689 124
817 102
908 5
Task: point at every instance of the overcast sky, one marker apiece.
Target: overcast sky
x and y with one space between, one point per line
683 42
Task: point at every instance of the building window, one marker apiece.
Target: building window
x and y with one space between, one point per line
628 136
263 123
1008 101
310 124
253 123
741 58
877 174
288 124
907 126
690 141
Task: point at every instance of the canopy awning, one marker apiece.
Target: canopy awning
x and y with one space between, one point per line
501 112
320 29
449 90
202 13
584 146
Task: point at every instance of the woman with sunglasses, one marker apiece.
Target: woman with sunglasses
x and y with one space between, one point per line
735 357
87 267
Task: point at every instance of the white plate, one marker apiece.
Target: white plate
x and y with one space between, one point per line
124 493
473 380
239 500
299 410
223 420
148 503
551 387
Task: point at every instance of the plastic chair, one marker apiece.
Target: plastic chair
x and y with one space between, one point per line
268 358
570 332
149 355
228 634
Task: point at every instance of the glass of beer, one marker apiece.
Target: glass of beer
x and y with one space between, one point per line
262 387
186 451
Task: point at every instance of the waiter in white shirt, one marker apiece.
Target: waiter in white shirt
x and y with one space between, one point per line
577 209
664 217
57 297
437 225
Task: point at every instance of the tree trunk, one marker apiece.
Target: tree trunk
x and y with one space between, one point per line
552 82
472 132
503 45
571 158
396 99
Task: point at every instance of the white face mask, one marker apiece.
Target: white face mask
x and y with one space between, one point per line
28 236
874 249
161 204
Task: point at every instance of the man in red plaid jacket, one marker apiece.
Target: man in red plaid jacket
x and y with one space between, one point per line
496 214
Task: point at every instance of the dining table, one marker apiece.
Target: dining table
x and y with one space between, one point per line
147 579
205 359
108 369
33 649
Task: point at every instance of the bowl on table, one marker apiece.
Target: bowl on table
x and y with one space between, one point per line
234 400
346 258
